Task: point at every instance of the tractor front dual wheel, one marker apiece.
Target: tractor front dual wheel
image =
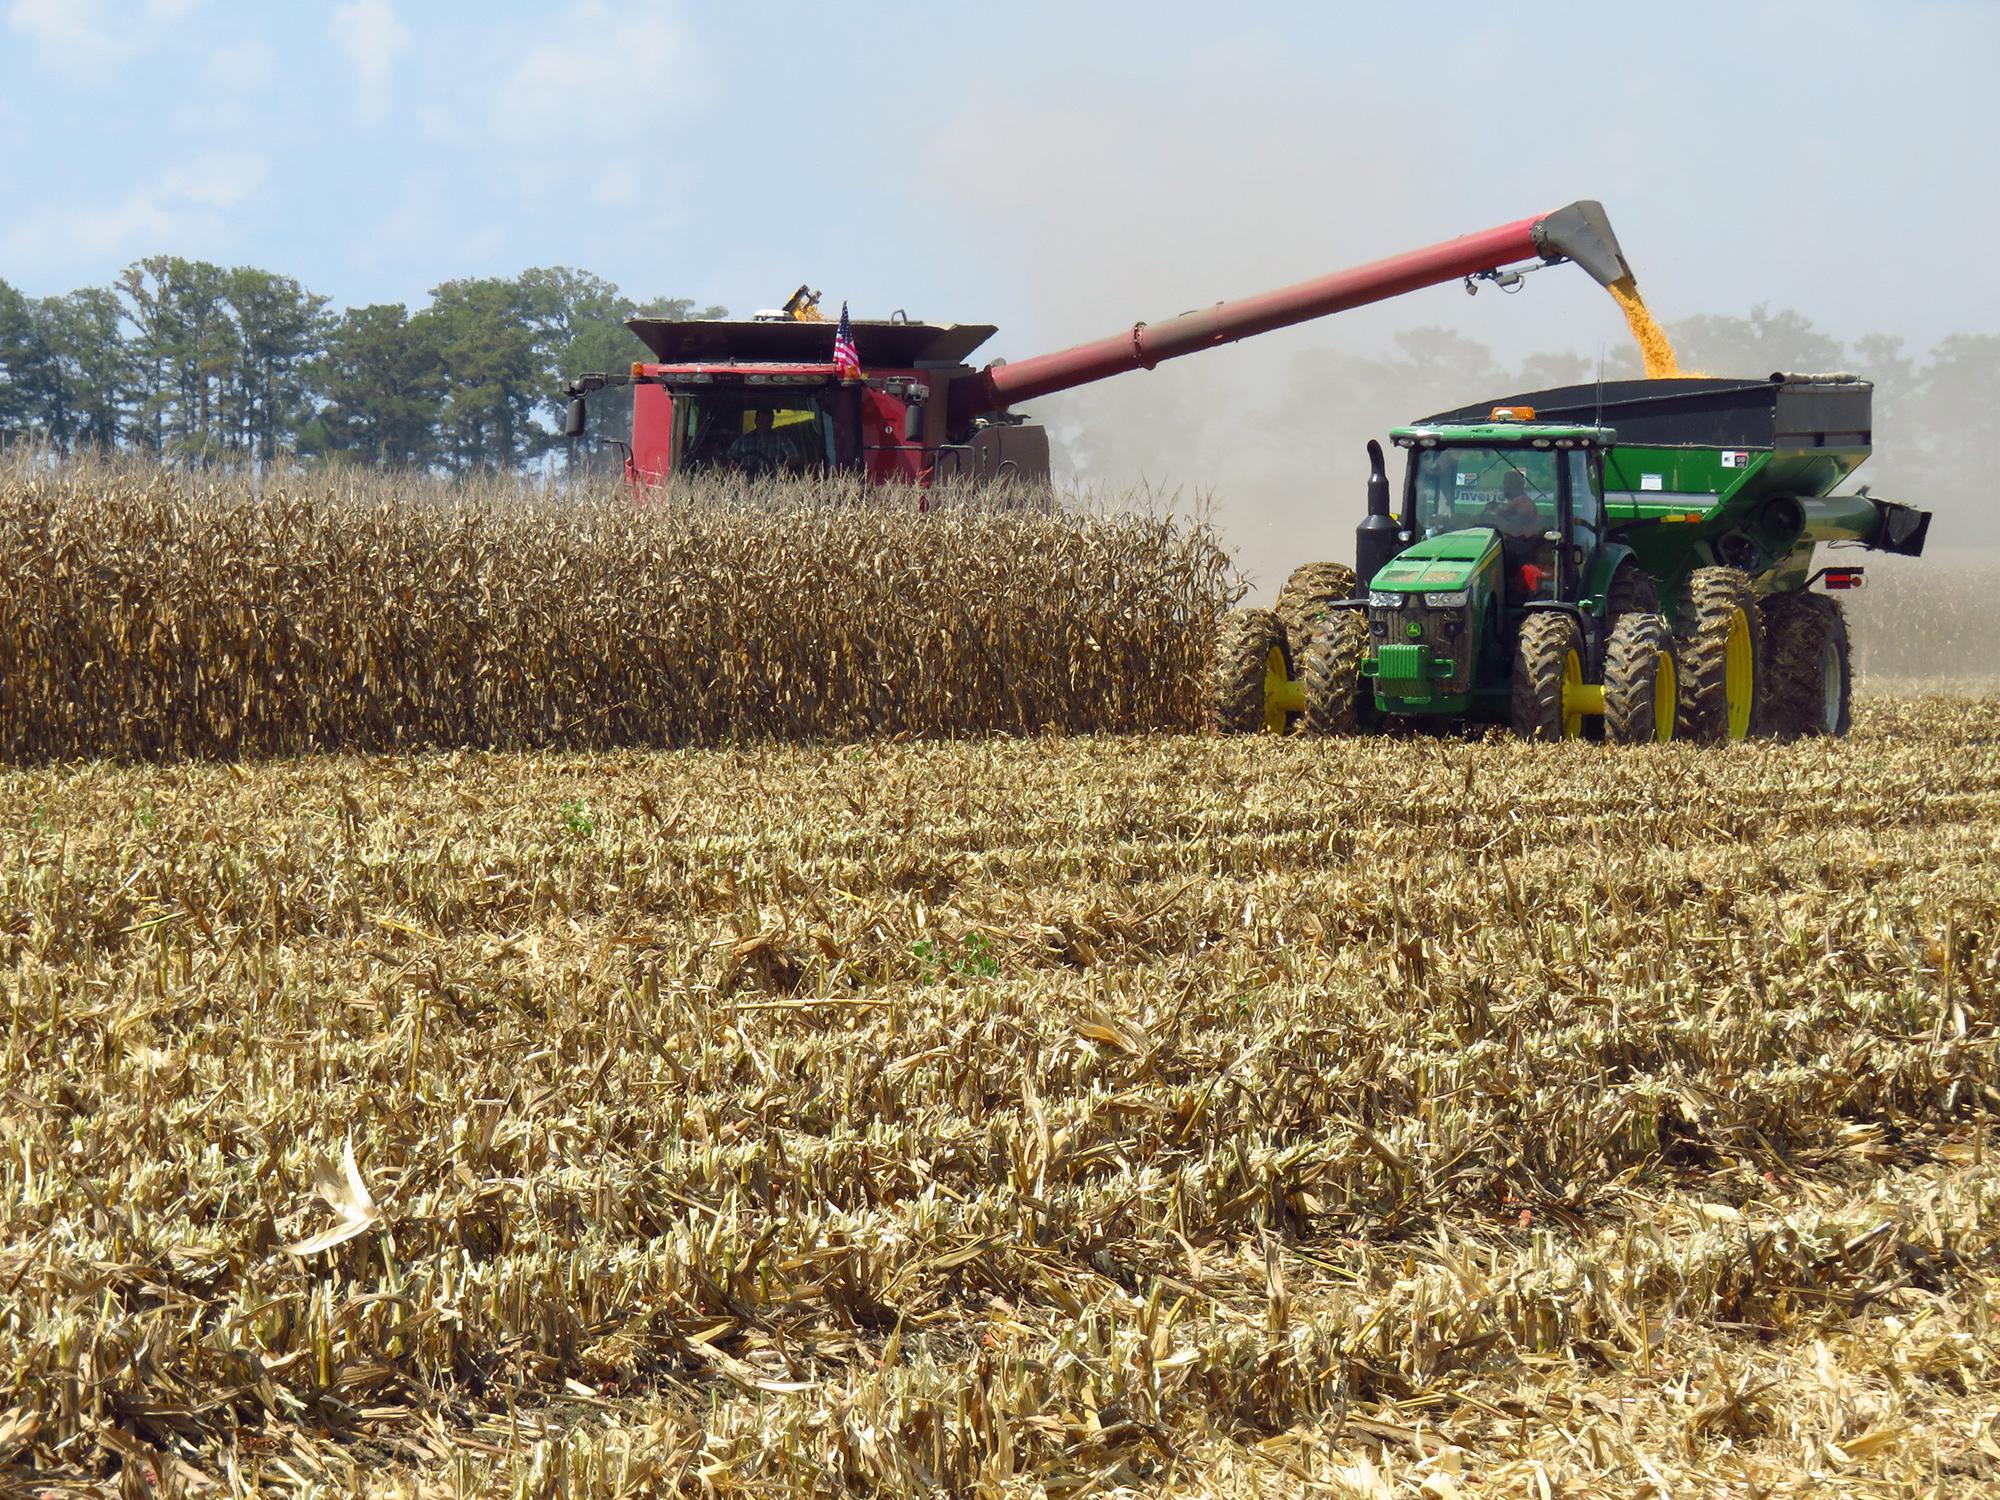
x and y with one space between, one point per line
1721 657
1641 682
1332 672
1302 602
1548 672
1250 676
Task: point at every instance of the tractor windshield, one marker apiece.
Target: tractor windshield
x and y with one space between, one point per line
757 432
1512 489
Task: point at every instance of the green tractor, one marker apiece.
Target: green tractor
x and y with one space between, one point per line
1636 557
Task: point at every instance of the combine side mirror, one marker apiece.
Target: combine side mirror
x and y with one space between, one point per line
913 422
579 418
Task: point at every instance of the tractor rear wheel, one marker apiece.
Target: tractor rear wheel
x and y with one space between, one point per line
1640 682
1332 672
1547 659
1631 593
1253 664
1809 686
1721 656
1302 601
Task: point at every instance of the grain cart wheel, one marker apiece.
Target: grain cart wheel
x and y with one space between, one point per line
1250 678
1332 672
1548 672
1809 681
1641 686
1302 601
1721 656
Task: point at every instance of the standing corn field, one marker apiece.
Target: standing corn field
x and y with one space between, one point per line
153 616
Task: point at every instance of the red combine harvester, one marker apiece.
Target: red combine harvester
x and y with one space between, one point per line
765 395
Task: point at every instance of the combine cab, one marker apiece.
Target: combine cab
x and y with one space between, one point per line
1638 555
764 396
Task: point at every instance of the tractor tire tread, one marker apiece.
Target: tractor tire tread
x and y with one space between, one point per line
1303 599
1332 672
1243 643
1798 627
1632 592
1713 596
1540 655
1631 673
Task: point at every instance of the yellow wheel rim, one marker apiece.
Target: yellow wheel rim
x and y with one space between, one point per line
1738 669
1666 694
1275 683
1572 680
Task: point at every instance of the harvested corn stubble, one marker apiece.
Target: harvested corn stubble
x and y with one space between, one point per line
1170 1114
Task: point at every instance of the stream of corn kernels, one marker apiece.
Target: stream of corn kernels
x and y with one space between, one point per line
1653 343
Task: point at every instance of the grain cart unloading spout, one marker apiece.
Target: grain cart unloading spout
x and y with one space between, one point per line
1579 232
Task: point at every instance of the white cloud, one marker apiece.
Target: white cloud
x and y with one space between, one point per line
79 36
68 31
241 67
527 115
183 213
596 52
373 37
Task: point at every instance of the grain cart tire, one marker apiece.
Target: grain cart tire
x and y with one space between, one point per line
1302 601
1631 593
1641 685
1252 659
1721 656
1332 672
1548 655
1809 681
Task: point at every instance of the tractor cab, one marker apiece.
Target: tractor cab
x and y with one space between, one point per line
1499 519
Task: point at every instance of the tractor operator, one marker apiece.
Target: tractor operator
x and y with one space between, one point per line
761 450
1516 515
1529 561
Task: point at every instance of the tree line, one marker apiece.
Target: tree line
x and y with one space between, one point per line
202 365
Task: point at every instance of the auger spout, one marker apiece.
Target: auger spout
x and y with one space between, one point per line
1580 232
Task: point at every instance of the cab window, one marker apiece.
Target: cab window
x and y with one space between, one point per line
1508 488
754 434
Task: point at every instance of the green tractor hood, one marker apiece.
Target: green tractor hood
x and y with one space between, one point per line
1450 561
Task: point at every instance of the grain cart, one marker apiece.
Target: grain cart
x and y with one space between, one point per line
766 391
1638 555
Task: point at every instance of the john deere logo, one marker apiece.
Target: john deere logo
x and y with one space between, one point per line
1414 630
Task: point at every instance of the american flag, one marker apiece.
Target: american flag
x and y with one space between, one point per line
846 358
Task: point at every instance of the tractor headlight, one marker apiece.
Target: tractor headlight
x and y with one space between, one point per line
1384 599
1454 599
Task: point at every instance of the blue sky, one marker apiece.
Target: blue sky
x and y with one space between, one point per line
1058 169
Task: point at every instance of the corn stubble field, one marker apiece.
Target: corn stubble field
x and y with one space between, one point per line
1043 1115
